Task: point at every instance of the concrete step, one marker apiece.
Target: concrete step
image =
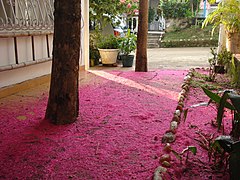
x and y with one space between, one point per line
154 38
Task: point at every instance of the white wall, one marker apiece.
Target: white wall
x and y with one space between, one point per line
24 45
6 52
84 58
19 75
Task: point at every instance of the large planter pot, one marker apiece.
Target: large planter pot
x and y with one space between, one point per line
108 56
127 60
233 42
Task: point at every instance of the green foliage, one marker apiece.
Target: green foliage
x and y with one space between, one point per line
102 11
192 33
201 80
227 13
224 57
223 103
93 51
235 71
128 43
109 42
151 14
233 148
229 144
188 43
174 9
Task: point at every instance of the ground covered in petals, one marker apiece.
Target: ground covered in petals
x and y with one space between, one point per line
117 136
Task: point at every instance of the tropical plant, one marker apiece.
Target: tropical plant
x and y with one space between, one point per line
109 42
128 43
233 149
234 106
228 14
229 144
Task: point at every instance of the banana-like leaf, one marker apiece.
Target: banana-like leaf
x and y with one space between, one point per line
215 97
235 99
220 112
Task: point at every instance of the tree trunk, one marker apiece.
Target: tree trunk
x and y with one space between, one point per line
63 102
141 57
233 42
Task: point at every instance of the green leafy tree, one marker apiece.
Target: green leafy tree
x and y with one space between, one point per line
102 11
175 9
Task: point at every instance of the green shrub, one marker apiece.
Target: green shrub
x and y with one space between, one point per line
174 9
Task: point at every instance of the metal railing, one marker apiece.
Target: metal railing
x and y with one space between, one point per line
157 25
17 15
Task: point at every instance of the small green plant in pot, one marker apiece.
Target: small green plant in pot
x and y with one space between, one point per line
127 45
108 47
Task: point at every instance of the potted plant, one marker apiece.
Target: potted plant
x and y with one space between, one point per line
227 13
127 45
108 47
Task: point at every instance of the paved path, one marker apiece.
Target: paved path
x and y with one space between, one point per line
172 58
178 58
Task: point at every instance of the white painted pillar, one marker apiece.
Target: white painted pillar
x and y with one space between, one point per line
85 34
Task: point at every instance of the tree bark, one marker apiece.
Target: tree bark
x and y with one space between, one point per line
63 102
233 42
141 55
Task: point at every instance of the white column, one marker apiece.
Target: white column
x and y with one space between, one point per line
85 34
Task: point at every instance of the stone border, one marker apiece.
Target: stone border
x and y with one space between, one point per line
188 43
170 135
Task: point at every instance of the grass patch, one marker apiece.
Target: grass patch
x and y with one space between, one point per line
192 33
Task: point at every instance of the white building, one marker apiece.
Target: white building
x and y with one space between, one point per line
26 36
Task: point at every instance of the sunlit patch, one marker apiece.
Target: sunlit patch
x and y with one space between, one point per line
127 82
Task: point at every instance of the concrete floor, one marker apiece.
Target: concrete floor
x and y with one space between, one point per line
172 58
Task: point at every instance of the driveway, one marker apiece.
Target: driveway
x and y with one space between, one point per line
178 58
172 58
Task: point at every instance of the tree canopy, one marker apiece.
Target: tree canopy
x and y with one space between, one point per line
107 10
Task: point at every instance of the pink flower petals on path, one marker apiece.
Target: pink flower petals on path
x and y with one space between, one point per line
123 116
